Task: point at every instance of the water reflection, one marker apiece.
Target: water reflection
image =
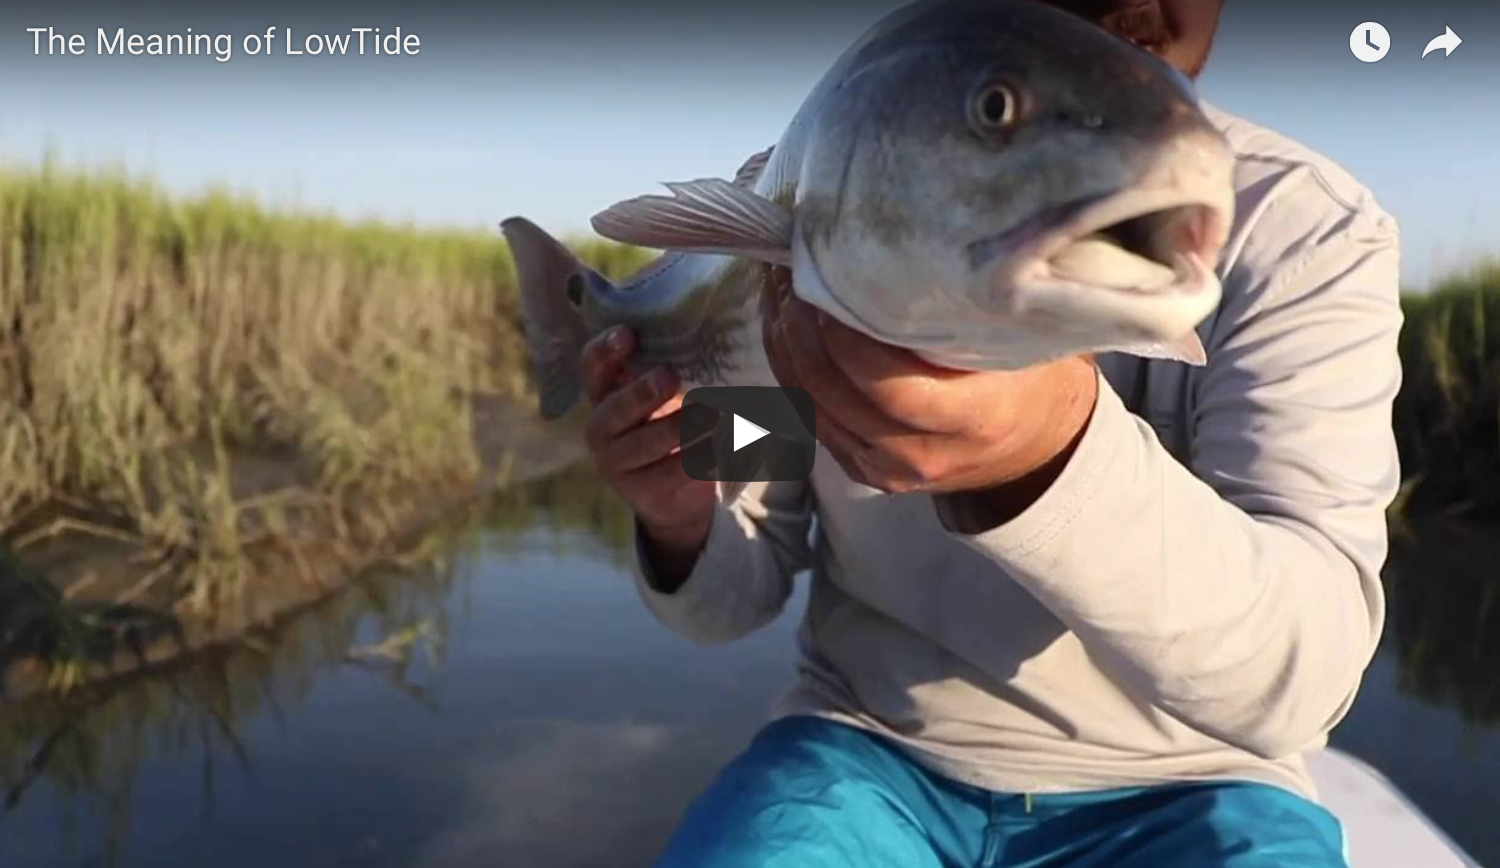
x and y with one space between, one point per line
86 749
511 702
89 747
1444 590
574 501
525 796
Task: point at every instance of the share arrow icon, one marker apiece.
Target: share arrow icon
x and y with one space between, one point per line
1447 42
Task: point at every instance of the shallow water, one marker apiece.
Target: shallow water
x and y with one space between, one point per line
559 725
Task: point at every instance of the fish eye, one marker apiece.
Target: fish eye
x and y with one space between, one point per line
995 106
574 289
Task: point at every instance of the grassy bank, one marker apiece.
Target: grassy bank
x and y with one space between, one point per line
182 381
1448 414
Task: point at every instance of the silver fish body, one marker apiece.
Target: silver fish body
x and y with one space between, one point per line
989 184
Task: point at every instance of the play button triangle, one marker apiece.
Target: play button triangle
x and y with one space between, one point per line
746 432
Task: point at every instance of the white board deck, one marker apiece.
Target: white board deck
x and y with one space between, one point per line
1383 828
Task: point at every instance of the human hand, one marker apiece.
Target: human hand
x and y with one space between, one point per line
633 434
899 424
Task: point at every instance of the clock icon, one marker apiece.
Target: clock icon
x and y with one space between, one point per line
1370 42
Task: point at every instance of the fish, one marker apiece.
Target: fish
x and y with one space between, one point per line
989 184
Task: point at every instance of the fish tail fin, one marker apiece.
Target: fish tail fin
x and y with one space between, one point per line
552 284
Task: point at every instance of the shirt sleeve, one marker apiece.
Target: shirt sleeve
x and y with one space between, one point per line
1241 593
743 577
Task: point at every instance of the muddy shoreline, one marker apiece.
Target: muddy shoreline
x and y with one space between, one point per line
291 571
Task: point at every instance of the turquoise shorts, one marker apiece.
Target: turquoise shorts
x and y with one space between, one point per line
811 793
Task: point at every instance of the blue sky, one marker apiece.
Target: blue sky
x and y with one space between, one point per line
556 123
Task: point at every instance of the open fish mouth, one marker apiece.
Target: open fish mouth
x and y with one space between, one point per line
1136 246
1139 242
1159 235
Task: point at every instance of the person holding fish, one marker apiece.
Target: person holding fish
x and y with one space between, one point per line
1106 378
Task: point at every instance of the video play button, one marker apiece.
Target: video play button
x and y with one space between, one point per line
747 434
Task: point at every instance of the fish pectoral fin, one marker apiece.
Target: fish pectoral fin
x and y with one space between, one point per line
751 171
739 467
731 489
1188 349
709 215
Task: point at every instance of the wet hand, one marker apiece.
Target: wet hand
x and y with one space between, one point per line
633 434
898 424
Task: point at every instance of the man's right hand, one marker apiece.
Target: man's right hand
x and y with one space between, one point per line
633 434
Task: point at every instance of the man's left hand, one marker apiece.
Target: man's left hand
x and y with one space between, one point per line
898 424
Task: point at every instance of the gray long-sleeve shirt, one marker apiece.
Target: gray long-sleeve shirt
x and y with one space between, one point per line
1196 597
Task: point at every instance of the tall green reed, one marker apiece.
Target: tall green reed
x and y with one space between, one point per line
156 351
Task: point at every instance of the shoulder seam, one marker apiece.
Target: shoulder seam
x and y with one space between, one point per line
1302 157
1290 165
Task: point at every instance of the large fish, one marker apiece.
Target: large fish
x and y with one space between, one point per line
990 184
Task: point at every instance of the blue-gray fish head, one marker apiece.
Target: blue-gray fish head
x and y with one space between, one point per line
998 183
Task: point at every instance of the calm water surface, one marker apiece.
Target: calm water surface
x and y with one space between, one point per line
519 707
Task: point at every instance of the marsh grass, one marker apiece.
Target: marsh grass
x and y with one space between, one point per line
189 378
1447 416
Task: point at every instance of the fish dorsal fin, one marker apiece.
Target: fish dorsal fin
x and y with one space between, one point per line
751 171
709 215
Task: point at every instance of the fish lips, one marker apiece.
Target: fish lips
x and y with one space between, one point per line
1197 225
